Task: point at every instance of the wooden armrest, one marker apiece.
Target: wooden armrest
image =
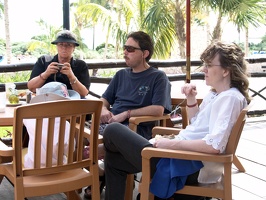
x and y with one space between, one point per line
139 119
158 130
149 152
87 133
5 150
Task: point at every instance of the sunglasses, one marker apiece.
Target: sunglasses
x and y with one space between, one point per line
131 49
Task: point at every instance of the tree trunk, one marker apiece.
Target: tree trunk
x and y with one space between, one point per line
246 44
217 32
7 32
180 31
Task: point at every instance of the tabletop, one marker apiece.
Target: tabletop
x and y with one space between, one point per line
6 118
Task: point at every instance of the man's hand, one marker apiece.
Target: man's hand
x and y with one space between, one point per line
106 115
118 118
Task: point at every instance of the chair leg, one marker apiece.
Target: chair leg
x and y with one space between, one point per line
72 195
238 164
129 187
1 178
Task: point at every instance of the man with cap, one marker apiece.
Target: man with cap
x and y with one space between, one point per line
61 67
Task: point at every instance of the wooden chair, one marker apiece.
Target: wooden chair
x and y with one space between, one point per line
185 121
222 189
163 121
181 103
60 177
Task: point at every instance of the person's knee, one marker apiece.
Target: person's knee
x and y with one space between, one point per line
111 130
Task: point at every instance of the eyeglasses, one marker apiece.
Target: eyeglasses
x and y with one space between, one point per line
66 45
131 49
207 66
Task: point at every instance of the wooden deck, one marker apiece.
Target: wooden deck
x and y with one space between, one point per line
252 154
251 151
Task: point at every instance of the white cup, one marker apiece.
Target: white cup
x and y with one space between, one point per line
2 102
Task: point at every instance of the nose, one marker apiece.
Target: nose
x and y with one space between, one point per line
204 69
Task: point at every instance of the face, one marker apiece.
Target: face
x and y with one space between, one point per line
215 75
65 49
133 54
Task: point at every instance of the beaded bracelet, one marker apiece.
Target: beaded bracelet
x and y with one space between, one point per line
193 105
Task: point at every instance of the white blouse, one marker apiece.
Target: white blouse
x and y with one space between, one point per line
213 123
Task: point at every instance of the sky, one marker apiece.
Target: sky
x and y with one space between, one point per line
23 15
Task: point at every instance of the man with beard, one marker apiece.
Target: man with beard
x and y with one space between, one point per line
137 90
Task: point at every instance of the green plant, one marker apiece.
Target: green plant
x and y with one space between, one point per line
107 72
15 77
5 131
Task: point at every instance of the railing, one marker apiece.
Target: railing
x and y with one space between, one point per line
121 64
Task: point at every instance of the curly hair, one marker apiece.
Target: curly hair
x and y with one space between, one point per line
145 42
231 58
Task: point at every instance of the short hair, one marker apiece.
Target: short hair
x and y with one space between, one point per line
145 42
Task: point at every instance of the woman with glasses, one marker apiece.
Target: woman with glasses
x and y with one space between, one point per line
61 67
211 123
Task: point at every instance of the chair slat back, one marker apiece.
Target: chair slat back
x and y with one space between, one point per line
68 151
236 132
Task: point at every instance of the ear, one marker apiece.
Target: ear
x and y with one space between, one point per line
146 53
226 72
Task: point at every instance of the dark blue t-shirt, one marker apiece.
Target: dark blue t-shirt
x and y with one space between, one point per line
129 91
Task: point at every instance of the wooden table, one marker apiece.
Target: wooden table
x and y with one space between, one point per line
6 118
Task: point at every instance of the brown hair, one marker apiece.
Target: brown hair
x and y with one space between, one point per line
231 58
145 42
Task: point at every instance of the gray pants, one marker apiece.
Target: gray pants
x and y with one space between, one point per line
122 157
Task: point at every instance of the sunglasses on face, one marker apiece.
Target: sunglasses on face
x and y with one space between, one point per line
131 49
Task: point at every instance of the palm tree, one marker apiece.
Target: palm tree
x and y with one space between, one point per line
240 12
122 17
165 22
44 40
250 13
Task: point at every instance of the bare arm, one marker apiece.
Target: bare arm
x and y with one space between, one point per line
106 115
153 110
74 82
188 145
39 81
192 107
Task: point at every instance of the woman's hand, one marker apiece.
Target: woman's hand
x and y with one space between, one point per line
51 69
165 143
189 90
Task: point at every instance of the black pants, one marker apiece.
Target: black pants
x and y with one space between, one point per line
122 157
